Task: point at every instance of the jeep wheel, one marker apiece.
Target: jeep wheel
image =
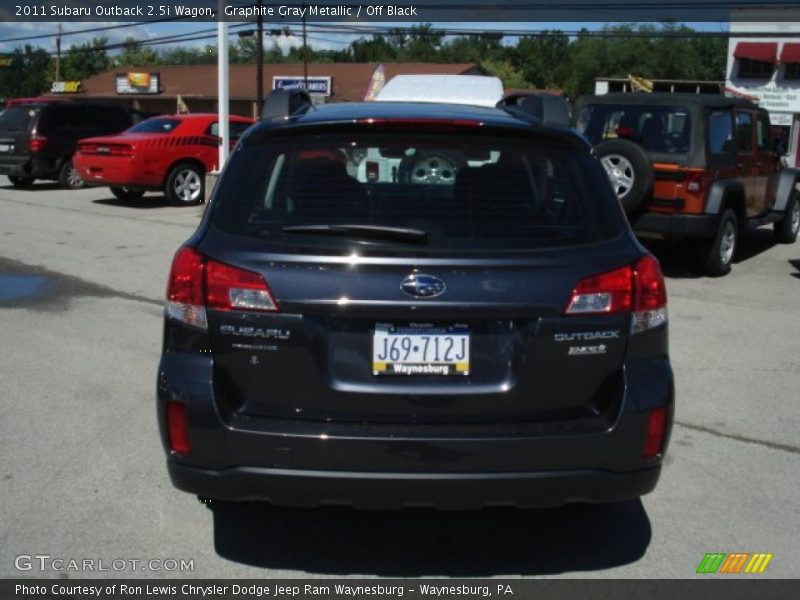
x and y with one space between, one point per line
786 229
719 253
20 182
126 194
185 185
628 168
68 177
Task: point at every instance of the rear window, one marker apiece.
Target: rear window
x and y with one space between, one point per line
658 129
385 194
156 126
17 118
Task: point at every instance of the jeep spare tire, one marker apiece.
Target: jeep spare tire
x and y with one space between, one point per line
629 171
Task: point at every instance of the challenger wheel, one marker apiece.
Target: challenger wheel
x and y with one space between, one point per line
185 185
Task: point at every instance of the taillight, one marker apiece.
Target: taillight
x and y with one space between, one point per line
607 293
231 288
106 149
656 430
196 282
694 180
649 296
178 428
37 143
185 300
637 288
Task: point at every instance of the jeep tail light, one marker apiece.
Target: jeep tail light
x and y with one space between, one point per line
178 428
649 295
656 430
37 143
607 293
231 288
637 288
185 301
694 181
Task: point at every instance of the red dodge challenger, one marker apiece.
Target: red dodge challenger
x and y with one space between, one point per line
169 153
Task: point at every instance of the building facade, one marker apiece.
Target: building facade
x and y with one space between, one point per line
766 69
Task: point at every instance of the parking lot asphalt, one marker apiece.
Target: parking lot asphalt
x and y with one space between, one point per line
83 476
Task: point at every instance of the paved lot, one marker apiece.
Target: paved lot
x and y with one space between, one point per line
82 472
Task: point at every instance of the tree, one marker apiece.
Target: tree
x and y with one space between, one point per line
510 75
544 59
133 54
85 60
29 74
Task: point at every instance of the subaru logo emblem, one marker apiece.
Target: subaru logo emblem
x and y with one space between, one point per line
419 284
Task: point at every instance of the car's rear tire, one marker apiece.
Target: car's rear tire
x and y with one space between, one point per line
786 229
69 178
629 171
126 194
718 254
185 185
21 182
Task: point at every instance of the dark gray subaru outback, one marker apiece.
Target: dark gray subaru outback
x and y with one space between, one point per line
408 304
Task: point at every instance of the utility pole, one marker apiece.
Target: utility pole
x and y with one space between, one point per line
260 59
305 52
58 54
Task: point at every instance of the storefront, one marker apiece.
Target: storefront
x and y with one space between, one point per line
174 88
767 70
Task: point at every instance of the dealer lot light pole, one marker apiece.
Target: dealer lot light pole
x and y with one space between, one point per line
223 79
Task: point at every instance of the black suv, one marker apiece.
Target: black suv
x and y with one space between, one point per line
38 139
393 304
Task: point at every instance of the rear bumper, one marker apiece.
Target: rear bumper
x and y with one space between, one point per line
115 172
673 225
454 491
374 465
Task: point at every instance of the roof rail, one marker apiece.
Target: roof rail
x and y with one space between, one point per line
281 104
545 109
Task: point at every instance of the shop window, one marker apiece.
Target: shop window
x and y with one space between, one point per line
792 71
755 69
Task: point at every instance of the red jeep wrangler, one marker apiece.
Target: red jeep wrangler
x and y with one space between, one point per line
702 167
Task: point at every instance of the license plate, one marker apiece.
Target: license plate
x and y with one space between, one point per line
6 147
420 349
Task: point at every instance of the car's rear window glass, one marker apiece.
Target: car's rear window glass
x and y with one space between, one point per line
658 129
156 126
235 129
17 118
442 194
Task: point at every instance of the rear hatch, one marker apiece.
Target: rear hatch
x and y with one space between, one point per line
430 289
15 134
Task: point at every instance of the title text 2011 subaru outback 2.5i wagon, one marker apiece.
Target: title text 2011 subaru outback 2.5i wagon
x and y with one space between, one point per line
477 326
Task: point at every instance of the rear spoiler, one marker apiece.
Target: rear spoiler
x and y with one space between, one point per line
545 109
281 104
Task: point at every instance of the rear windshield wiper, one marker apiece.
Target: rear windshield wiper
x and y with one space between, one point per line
396 234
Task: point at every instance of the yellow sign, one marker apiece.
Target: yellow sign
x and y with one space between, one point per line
65 87
5 61
139 80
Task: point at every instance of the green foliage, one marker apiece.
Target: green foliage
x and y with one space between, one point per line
85 60
134 54
30 73
550 59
